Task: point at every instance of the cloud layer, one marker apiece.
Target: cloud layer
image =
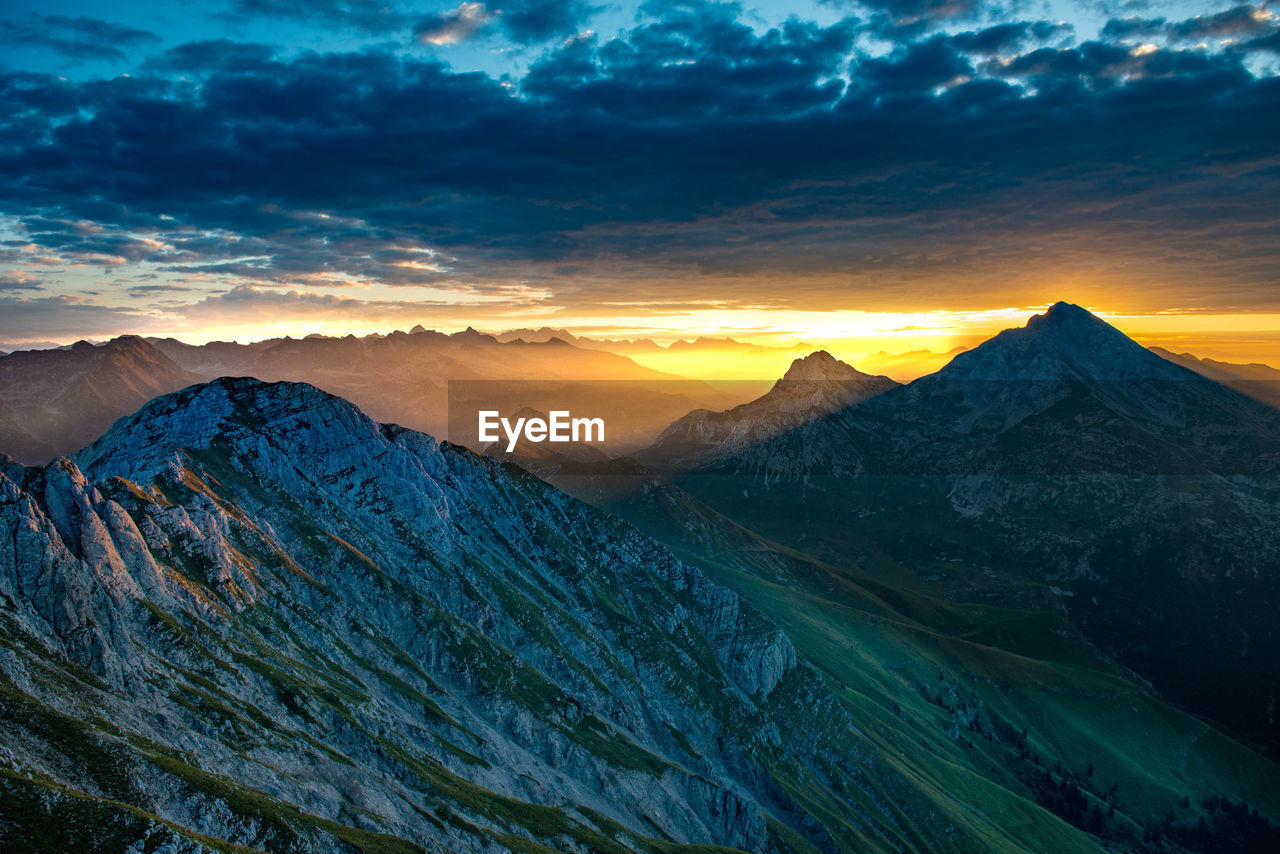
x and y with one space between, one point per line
904 152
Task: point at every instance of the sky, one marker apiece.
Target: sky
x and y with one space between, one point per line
893 174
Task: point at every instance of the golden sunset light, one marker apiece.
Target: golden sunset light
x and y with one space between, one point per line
640 427
902 344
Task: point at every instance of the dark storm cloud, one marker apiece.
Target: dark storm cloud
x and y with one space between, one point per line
528 21
887 28
1268 42
1006 38
104 248
78 38
697 61
903 21
371 16
1132 27
1092 60
998 39
916 68
210 55
18 282
691 143
1238 21
900 10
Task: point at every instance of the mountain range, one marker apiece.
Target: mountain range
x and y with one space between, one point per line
1027 603
257 612
1261 382
56 401
635 345
250 615
1057 464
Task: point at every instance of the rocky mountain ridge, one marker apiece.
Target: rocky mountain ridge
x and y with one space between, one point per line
56 401
295 629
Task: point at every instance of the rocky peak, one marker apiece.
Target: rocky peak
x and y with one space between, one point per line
471 335
128 342
1065 342
1063 314
139 350
234 410
821 365
821 380
814 386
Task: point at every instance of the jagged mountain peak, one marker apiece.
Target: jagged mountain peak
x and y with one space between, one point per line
127 341
243 395
820 365
473 335
1065 369
826 382
54 401
119 344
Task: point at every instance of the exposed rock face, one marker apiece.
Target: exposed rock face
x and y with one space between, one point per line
299 626
817 385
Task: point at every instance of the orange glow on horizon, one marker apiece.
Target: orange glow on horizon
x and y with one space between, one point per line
903 345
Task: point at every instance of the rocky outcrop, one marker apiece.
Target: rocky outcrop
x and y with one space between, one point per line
306 622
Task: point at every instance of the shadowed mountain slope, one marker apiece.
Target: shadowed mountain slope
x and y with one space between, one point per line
1016 698
1062 466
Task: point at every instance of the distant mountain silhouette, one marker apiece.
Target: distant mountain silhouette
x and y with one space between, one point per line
55 401
1261 382
813 386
